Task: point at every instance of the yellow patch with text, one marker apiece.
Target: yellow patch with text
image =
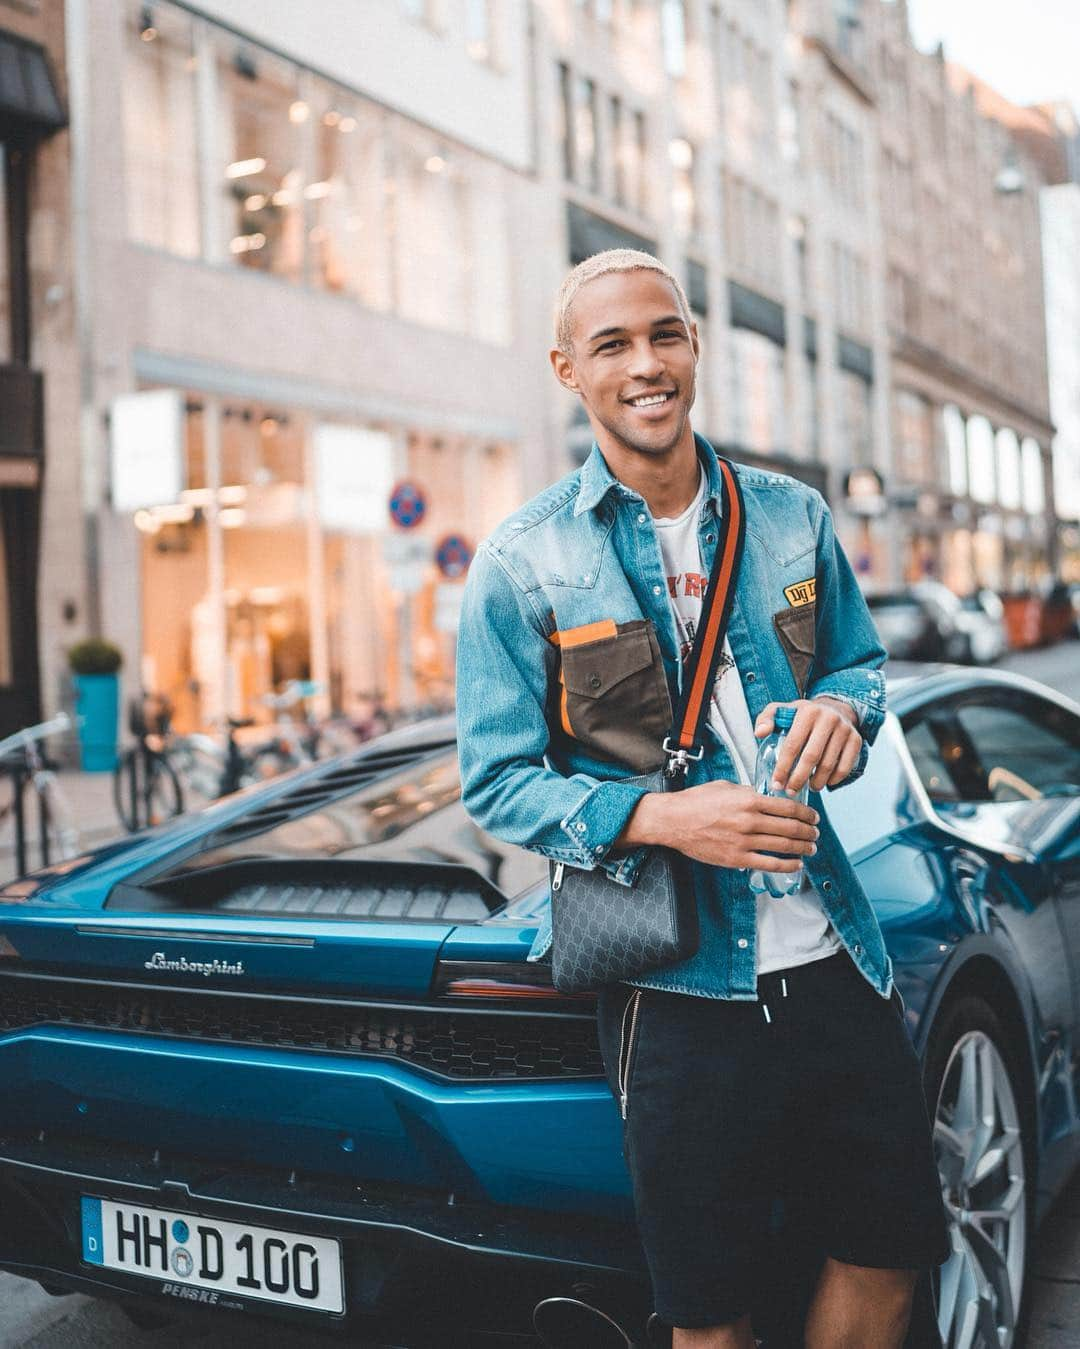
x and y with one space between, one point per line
802 592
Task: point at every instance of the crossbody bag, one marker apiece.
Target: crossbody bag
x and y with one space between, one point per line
604 932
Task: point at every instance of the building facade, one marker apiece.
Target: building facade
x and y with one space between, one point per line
316 253
39 407
296 245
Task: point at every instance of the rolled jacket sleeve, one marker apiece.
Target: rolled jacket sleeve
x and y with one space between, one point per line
848 653
505 665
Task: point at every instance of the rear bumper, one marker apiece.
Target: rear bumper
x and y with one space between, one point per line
419 1269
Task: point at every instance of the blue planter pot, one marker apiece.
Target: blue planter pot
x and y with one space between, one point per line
97 704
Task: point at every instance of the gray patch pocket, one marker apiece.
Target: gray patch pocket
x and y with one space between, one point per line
615 699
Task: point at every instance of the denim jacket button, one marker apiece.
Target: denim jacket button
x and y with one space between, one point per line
826 886
743 943
657 590
857 948
580 826
751 677
641 518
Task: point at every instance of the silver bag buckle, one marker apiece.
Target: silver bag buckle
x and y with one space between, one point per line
679 760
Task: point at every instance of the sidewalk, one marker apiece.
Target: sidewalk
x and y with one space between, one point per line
88 802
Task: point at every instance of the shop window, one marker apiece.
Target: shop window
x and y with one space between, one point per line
914 438
262 119
980 440
1008 467
1034 489
956 449
160 150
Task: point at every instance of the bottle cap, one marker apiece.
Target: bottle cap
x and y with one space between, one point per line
784 718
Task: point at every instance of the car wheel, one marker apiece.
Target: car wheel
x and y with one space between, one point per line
978 1098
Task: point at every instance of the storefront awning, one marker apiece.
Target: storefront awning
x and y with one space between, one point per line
28 94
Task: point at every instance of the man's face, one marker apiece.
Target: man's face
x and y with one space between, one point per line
633 360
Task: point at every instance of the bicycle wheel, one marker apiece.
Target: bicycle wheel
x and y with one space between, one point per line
146 790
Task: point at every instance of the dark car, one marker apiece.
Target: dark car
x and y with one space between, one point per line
920 622
285 1058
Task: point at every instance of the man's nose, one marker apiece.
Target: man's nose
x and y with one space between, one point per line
645 362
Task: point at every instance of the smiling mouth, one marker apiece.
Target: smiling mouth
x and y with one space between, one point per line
651 400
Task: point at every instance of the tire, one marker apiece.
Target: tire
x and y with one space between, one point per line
982 1289
165 797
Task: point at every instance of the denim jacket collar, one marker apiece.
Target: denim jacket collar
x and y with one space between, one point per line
596 479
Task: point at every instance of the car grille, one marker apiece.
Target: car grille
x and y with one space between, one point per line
474 1046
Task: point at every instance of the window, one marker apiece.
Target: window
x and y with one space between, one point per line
1008 467
618 131
566 110
586 148
478 29
683 192
160 146
914 438
431 238
1000 746
981 474
673 33
757 393
1032 468
855 420
350 233
956 449
262 188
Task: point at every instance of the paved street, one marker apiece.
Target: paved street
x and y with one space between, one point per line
30 1319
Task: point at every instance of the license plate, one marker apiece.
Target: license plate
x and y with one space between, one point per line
203 1253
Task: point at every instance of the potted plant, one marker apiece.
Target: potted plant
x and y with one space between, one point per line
94 666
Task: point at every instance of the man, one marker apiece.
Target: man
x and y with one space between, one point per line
774 1061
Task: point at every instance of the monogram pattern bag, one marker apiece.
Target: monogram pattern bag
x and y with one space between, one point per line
604 932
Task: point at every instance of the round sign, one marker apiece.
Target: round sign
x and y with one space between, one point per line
407 504
453 556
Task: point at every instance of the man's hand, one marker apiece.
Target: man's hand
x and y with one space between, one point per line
725 825
821 748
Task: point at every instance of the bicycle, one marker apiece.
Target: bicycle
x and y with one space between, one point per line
146 786
21 758
156 778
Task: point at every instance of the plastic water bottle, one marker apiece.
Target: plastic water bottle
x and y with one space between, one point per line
776 883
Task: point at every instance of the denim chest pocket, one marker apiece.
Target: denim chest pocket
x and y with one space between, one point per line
785 545
614 698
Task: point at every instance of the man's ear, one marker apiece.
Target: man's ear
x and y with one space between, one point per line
695 341
564 370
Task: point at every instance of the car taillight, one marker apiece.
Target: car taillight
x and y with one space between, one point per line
502 980
7 951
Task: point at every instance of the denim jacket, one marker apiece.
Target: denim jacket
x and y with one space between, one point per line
569 665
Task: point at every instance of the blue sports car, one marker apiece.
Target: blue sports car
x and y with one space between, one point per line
285 1058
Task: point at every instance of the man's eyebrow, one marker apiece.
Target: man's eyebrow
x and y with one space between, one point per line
656 323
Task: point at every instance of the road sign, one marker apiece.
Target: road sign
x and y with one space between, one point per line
448 600
453 555
407 558
408 504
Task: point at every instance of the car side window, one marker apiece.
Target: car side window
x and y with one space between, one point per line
1027 747
996 745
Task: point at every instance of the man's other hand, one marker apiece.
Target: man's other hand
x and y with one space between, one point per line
821 747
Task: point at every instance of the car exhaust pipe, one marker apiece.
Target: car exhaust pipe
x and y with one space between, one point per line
568 1323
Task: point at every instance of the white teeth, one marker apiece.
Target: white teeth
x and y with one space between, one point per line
649 402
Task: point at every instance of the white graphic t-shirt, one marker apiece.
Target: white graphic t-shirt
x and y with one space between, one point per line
793 930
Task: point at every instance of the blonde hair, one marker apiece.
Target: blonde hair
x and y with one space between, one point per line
601 264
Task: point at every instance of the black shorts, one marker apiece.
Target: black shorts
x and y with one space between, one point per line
810 1098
